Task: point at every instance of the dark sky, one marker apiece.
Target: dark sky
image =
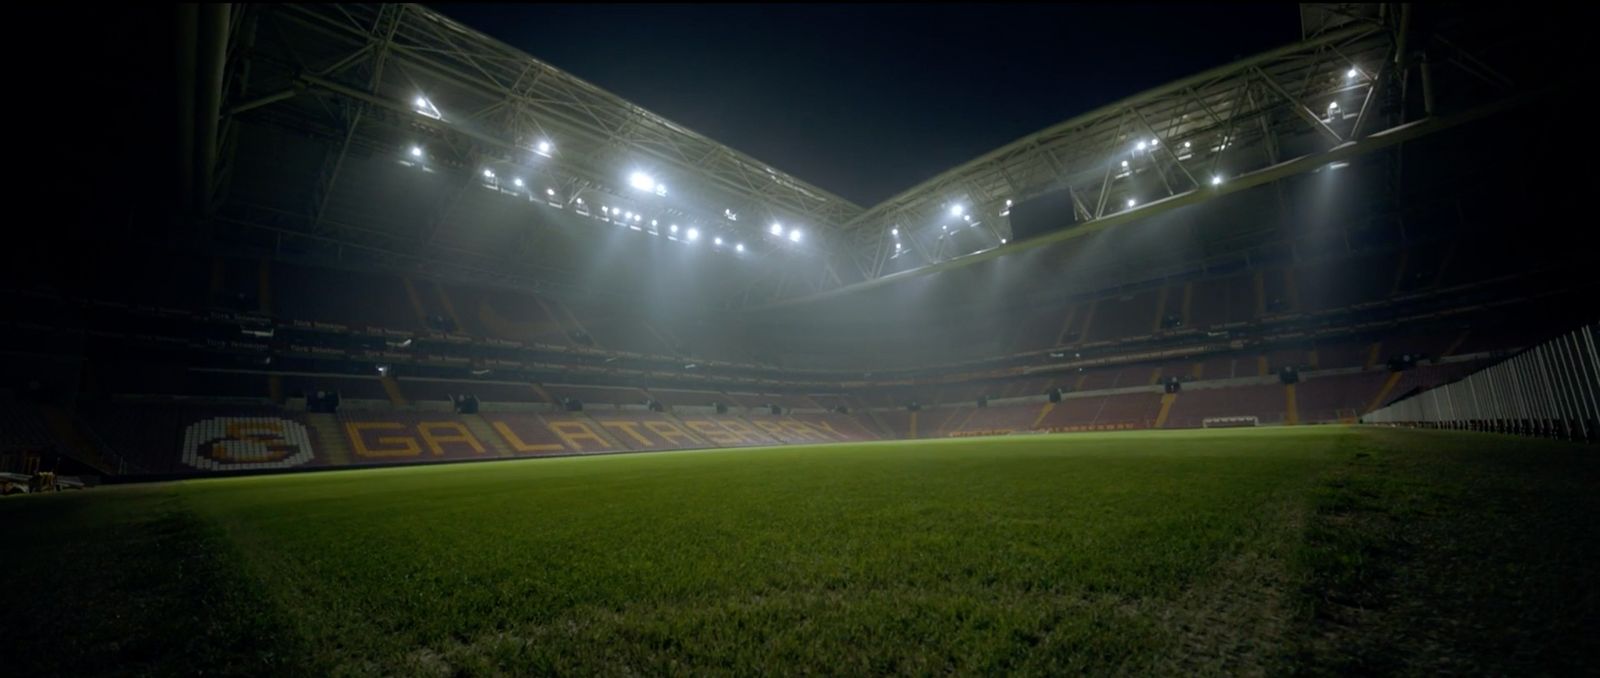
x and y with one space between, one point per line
867 101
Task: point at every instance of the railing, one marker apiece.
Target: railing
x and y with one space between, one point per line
1550 390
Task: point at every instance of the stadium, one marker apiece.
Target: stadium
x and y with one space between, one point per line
359 342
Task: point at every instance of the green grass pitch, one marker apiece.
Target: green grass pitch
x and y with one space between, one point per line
1321 549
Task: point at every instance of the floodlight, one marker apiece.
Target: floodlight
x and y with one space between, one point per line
422 103
637 217
895 231
1333 105
1352 73
717 241
488 174
694 233
1185 144
1002 241
1130 202
642 181
517 181
1124 163
776 229
416 151
1155 142
739 247
652 222
1140 146
674 228
544 147
956 210
1216 180
794 235
550 192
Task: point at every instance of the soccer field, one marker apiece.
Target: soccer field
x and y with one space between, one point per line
1222 551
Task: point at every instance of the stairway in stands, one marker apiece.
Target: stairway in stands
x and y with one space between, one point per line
603 432
331 443
74 441
485 433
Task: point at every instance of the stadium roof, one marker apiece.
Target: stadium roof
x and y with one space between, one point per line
327 114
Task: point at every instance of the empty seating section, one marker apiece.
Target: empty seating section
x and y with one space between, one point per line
1038 330
486 391
1095 380
188 438
597 395
621 333
1420 268
1265 401
1296 358
21 428
1336 284
342 297
1217 368
1431 346
1334 355
684 398
508 315
839 426
1340 397
391 437
1126 410
1220 301
360 388
1125 316
1001 419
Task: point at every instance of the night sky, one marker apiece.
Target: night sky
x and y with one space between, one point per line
867 101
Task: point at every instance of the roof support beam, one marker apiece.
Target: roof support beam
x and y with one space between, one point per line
1306 163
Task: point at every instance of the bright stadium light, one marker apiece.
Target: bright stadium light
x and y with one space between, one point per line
580 201
895 231
794 235
1002 241
488 174
739 247
694 233
1185 144
652 222
1124 164
1154 142
550 192
957 210
638 217
421 102
416 151
604 209
776 228
642 181
1131 202
517 181
545 147
1140 145
1008 202
674 228
1333 106
717 241
1352 73
1216 180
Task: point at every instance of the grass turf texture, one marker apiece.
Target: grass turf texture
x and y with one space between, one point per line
1320 549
